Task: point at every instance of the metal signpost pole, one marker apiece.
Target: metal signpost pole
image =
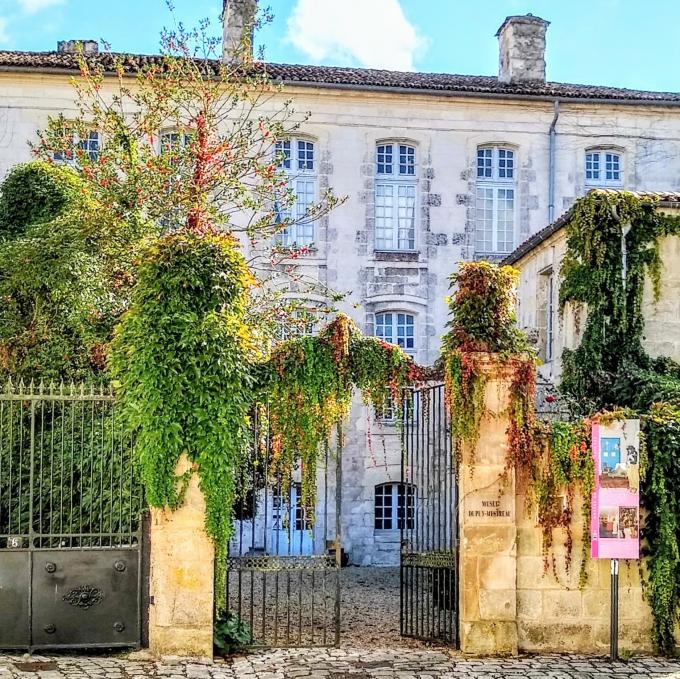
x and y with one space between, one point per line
614 628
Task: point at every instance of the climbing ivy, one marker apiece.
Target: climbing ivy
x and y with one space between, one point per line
612 249
563 467
181 358
610 365
482 310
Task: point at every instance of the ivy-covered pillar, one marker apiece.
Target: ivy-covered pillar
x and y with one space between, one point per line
182 577
487 523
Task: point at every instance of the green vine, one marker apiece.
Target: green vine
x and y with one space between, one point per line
564 466
181 357
611 370
482 310
308 383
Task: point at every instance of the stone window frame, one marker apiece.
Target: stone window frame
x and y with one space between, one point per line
397 491
496 183
397 179
295 174
547 313
602 149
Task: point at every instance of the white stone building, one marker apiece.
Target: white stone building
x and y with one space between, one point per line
437 168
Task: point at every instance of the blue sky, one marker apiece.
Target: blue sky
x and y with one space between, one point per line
628 43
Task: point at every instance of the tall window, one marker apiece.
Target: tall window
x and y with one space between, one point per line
394 506
495 204
395 197
89 144
603 168
549 315
297 159
397 328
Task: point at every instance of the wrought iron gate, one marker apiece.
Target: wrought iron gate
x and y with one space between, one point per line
283 566
428 520
70 521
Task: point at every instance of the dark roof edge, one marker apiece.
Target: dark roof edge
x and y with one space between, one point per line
541 236
421 91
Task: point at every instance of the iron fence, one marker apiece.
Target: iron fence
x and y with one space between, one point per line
70 519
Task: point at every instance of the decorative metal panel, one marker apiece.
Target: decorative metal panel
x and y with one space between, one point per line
70 520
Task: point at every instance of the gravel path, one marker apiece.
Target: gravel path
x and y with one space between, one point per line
369 608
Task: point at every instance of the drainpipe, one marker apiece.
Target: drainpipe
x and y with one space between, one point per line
551 164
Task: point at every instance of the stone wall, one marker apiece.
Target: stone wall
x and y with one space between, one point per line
509 603
553 614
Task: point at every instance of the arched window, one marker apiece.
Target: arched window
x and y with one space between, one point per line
395 197
604 167
495 200
395 506
397 328
297 159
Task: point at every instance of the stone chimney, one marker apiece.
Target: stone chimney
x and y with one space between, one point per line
521 42
77 46
237 19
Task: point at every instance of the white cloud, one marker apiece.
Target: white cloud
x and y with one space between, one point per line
33 6
371 33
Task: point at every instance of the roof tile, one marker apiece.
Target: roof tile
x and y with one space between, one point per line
354 77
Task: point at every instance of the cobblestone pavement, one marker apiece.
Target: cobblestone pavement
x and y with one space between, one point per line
338 664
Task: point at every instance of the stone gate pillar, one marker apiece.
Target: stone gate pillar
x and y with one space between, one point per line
488 531
182 578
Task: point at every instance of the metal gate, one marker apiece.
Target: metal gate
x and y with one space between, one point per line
428 520
70 521
283 565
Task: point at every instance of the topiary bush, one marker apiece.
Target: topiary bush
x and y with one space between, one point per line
34 193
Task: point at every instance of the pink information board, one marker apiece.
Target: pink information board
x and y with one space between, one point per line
615 513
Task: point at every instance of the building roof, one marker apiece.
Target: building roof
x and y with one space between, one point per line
356 78
662 199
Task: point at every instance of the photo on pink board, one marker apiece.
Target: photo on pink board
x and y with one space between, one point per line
609 522
629 522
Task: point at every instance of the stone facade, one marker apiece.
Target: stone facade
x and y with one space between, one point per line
446 129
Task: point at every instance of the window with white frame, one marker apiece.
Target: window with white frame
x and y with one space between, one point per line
495 200
89 144
172 143
298 160
395 197
398 328
299 323
604 167
395 506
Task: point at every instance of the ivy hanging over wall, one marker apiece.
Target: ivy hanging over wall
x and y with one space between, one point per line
563 467
612 250
181 358
482 309
308 383
610 367
553 461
